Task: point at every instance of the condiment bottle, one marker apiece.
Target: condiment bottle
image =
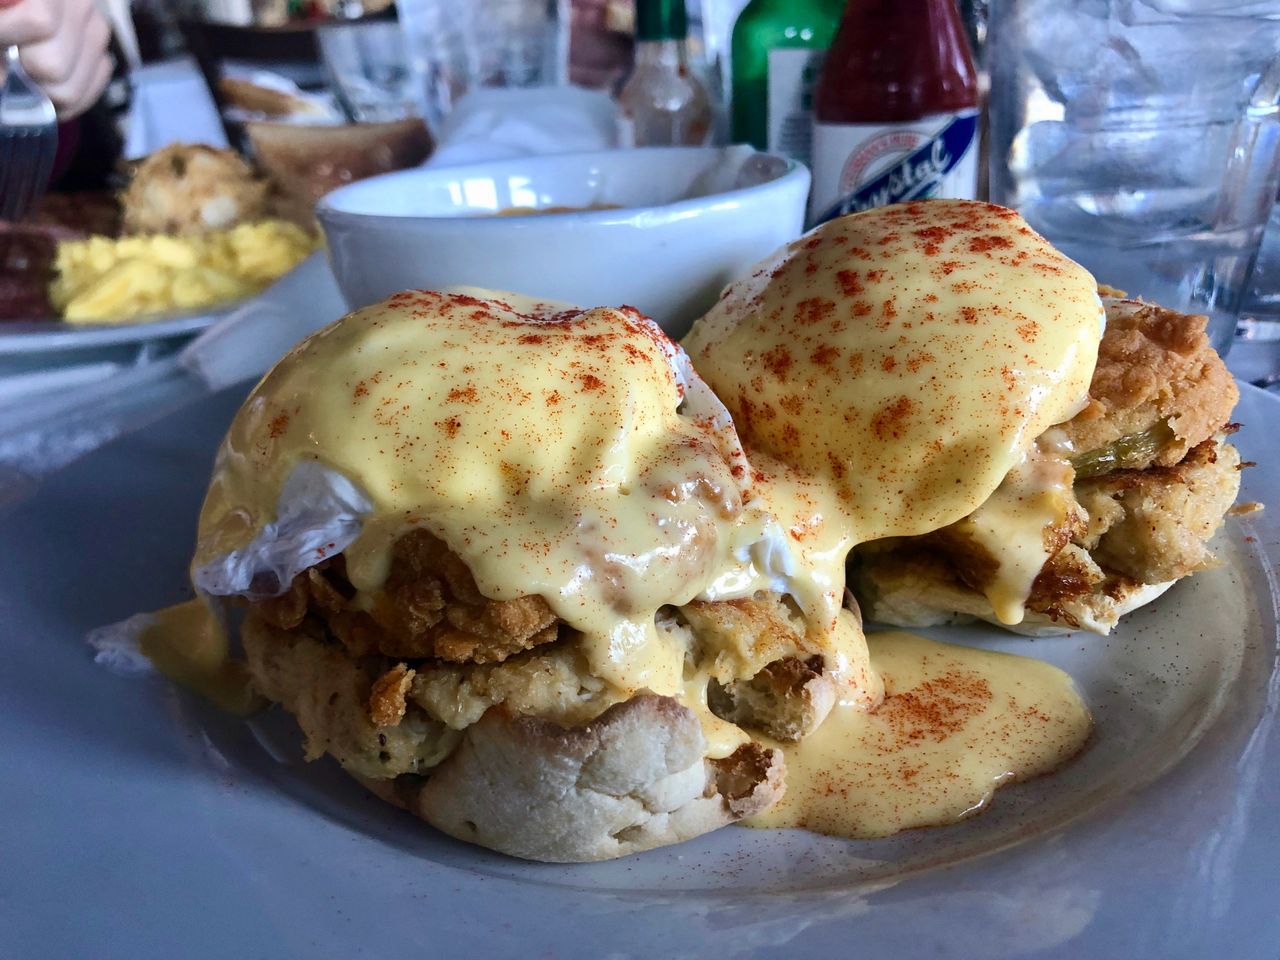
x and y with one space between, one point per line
778 48
895 108
663 103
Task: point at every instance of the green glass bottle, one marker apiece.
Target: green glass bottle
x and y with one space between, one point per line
778 47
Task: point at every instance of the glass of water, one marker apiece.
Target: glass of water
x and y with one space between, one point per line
459 45
368 67
1142 137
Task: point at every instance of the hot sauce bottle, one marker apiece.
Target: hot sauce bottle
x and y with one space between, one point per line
663 103
895 109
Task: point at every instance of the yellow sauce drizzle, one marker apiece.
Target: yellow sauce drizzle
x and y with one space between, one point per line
955 724
1011 524
186 642
557 451
907 355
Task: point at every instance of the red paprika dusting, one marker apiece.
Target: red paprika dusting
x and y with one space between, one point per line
890 421
825 356
987 244
937 708
778 361
813 310
278 425
850 285
917 360
792 404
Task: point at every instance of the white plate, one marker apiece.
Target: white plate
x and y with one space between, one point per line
45 336
137 822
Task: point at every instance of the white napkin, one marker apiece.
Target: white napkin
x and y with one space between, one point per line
493 123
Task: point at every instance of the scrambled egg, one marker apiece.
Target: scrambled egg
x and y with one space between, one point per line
104 280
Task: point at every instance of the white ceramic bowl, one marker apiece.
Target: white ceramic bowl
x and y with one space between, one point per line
690 219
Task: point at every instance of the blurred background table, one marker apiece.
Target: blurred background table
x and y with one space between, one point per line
305 88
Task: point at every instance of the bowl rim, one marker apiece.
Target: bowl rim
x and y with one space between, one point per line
793 171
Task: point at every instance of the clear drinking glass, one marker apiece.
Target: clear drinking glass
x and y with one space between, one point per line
1256 353
1142 137
457 45
368 67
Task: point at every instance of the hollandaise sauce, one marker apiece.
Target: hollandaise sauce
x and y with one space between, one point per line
1011 527
187 643
909 355
955 724
564 453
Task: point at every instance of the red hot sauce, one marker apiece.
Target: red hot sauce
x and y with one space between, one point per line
895 109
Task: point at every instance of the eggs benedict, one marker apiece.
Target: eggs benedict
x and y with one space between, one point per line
507 562
1001 442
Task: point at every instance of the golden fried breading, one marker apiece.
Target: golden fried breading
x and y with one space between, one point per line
329 693
387 703
918 590
1063 576
191 188
756 629
429 608
1153 525
1067 579
1069 576
787 698
1154 366
1145 528
552 682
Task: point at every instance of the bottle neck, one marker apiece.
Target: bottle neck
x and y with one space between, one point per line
670 54
658 20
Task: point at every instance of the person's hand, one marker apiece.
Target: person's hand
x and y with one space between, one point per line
63 48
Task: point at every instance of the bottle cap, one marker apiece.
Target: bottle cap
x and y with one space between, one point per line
661 20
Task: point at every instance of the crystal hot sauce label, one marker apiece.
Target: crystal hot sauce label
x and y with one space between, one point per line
857 166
